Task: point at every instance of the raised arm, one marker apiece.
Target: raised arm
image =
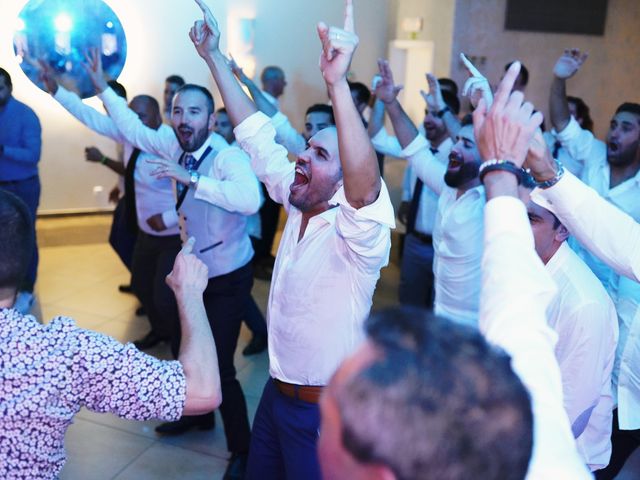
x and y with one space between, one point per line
516 289
205 35
259 99
566 67
198 357
435 101
361 175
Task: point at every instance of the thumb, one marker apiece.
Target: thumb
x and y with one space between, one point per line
323 32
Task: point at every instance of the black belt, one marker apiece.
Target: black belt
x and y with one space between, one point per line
423 237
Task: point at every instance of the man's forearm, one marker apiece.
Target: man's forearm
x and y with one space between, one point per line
198 355
114 165
376 120
238 104
260 100
405 130
558 105
361 174
452 124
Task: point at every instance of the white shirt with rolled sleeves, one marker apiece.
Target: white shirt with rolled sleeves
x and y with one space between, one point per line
153 195
583 316
516 291
457 237
230 187
322 286
625 293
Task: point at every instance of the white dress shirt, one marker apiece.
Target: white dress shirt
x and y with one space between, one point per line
516 291
583 316
322 285
229 186
624 292
457 237
287 136
153 196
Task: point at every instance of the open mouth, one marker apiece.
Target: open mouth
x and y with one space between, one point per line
613 147
454 162
300 181
185 133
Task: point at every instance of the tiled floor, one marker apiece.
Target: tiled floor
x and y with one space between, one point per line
78 277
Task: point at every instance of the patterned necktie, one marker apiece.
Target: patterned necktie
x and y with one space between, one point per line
189 163
415 201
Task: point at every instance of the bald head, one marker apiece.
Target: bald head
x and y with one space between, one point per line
273 80
148 110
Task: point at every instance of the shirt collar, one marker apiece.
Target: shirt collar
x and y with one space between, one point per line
559 258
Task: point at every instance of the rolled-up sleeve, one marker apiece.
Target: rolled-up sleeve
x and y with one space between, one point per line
424 164
580 143
386 144
269 161
367 230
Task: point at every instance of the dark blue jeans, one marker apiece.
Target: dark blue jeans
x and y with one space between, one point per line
284 438
29 191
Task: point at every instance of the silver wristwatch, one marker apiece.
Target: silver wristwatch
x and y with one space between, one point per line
193 180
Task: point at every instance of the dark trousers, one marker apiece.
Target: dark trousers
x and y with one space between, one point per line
28 191
153 258
416 273
225 300
269 216
284 438
121 238
623 444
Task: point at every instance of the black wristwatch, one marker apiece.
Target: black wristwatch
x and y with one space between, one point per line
440 113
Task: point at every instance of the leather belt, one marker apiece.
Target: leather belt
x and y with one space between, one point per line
423 237
306 393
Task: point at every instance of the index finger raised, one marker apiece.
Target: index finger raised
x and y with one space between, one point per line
506 85
349 22
208 16
470 66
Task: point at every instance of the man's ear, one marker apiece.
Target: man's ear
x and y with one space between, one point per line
212 121
562 233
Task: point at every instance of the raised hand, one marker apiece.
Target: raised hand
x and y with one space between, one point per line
386 90
505 130
189 274
205 34
47 77
238 72
477 86
434 100
93 67
569 63
338 47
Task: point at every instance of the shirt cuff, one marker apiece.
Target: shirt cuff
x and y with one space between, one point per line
506 214
572 130
170 218
62 95
380 211
417 144
564 197
250 126
380 137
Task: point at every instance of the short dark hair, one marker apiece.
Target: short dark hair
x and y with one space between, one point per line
155 106
177 79
629 107
438 400
271 72
448 84
363 94
118 88
17 237
466 120
322 108
523 75
452 101
199 88
6 76
222 110
582 110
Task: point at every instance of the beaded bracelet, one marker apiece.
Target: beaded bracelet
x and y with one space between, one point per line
502 165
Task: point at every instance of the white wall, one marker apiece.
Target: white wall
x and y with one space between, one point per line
609 77
158 45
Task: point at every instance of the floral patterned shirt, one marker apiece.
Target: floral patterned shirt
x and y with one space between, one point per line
47 373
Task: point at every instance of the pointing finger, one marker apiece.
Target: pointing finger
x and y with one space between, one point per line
349 22
470 67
